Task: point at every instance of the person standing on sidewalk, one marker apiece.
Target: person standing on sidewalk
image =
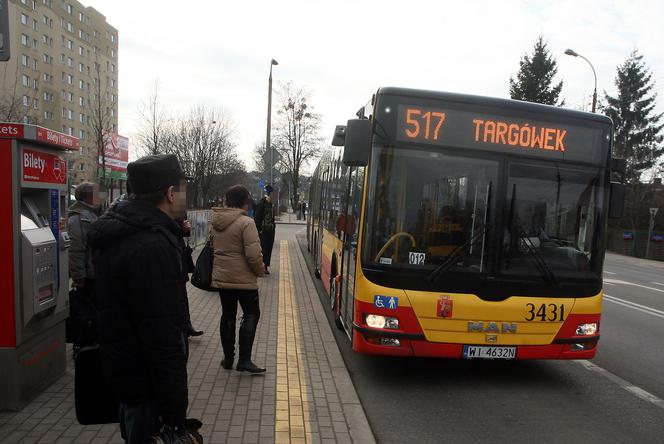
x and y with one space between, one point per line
81 325
266 225
237 263
141 313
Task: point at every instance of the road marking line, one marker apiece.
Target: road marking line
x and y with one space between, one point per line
618 281
636 391
608 283
609 272
292 414
657 283
634 306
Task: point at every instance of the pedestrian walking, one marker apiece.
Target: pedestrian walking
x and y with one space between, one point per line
140 303
81 325
237 264
266 225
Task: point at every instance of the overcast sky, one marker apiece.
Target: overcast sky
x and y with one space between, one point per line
217 52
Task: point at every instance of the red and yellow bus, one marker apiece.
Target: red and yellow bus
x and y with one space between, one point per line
460 226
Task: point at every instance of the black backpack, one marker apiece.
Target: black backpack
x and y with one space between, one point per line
202 275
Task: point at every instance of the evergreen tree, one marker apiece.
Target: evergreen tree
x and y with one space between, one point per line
637 129
534 81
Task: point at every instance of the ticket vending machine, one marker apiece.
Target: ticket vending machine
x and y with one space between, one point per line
34 269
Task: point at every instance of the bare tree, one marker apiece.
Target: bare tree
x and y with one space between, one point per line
13 106
100 121
202 141
297 133
153 129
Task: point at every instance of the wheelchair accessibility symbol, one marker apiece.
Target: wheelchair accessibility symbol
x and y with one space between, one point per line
389 302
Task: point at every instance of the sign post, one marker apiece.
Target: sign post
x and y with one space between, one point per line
651 226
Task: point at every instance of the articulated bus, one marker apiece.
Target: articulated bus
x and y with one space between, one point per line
458 226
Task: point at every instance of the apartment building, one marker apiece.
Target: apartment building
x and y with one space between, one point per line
63 74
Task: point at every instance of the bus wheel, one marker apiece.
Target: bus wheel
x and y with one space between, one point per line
334 289
316 260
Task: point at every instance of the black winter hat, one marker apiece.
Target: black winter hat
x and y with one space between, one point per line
154 173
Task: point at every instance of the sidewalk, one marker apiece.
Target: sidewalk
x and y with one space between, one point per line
290 218
305 396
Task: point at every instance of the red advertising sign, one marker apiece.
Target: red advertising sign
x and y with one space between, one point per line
43 167
11 130
116 155
56 138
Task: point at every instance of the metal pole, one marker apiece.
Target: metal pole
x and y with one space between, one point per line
268 144
595 76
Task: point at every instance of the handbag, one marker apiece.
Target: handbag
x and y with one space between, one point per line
94 400
202 275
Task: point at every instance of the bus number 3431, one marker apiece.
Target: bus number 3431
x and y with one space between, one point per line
546 312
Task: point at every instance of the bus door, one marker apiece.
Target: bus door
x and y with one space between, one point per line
351 233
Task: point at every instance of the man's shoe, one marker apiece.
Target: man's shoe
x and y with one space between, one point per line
266 270
248 366
193 332
227 362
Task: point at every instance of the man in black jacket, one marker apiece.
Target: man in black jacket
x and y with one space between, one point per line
141 312
266 225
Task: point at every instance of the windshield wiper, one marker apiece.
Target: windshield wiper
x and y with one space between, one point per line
541 264
454 255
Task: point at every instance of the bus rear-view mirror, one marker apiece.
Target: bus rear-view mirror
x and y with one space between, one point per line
616 200
339 135
357 144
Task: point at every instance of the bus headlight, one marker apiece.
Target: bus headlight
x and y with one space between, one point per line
378 321
586 329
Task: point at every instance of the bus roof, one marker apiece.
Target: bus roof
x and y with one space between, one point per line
517 105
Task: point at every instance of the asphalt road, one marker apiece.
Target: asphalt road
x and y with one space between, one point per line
435 400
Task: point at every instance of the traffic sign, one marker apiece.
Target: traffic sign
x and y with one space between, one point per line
276 157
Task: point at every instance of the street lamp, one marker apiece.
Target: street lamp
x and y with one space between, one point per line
268 144
573 53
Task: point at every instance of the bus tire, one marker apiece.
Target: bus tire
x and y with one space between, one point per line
317 258
334 303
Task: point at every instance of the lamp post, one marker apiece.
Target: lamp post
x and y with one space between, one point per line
573 53
268 144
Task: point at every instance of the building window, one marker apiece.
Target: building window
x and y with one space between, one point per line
81 84
47 3
25 80
35 103
25 41
70 97
34 24
70 62
26 100
70 79
81 51
112 83
70 27
81 67
48 115
81 118
34 43
25 60
24 19
113 38
70 9
70 44
81 101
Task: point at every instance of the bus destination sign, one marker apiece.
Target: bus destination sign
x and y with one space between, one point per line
463 129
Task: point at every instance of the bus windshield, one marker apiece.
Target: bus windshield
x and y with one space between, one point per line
448 218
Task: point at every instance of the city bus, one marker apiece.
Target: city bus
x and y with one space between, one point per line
458 226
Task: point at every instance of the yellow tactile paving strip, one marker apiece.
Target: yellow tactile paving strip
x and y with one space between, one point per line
292 414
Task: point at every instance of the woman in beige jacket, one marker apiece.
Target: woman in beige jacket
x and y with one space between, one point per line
238 261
